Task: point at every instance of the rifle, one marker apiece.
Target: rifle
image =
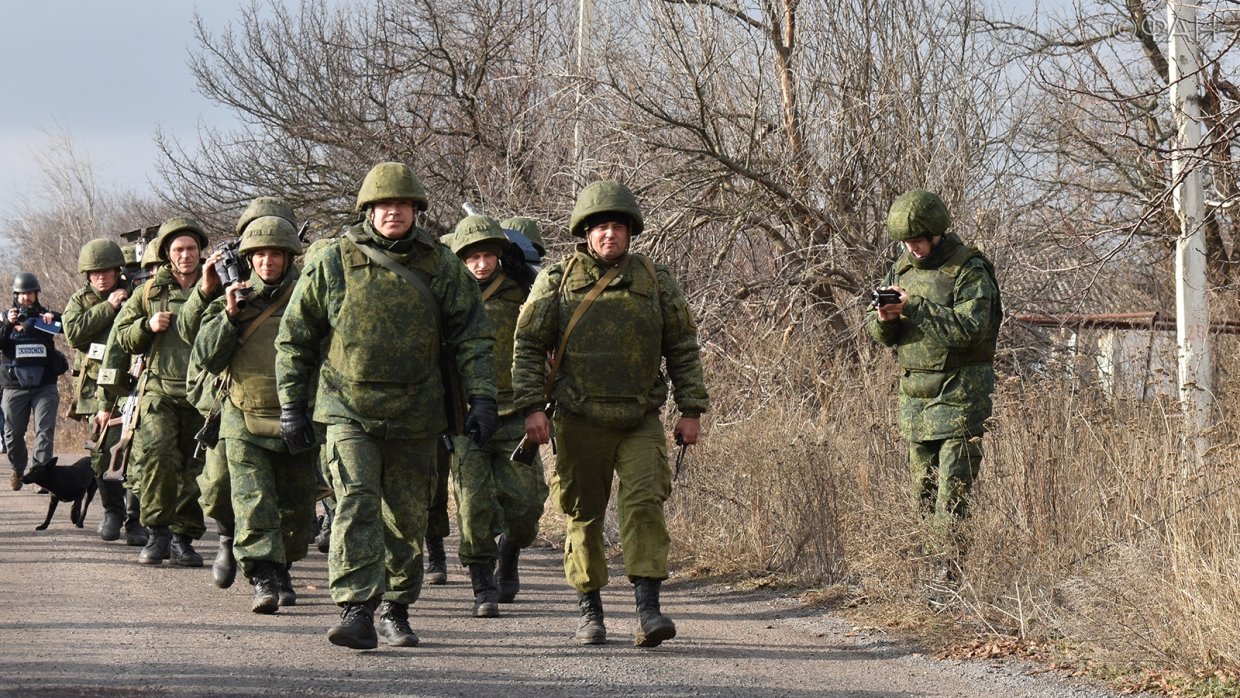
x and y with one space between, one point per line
119 460
525 451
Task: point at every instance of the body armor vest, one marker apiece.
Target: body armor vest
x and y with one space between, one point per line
916 350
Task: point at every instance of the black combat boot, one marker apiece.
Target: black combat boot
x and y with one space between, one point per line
394 625
288 595
506 574
652 626
183 553
112 497
436 562
158 546
486 593
224 568
590 630
356 628
324 539
135 533
266 580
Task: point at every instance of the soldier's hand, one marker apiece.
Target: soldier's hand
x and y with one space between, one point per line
893 310
483 419
538 427
296 428
117 297
101 420
688 429
160 322
211 283
233 294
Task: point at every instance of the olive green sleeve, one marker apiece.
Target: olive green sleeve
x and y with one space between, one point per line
190 317
131 332
306 324
466 327
680 348
217 338
536 336
83 324
885 332
969 320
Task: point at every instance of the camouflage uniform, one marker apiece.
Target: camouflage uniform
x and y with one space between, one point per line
164 441
609 391
945 341
381 396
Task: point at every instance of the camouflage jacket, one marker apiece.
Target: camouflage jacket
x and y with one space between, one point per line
132 334
945 341
503 306
611 371
88 320
380 367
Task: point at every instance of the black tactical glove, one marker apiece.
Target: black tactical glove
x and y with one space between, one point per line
483 419
295 427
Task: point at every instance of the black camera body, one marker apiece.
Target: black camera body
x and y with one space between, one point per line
232 267
881 297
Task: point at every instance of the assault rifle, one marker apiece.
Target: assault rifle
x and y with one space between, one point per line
119 457
525 452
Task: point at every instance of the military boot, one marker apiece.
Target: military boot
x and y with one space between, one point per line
135 533
224 568
183 553
288 595
652 626
436 562
590 631
324 539
506 574
158 546
394 625
486 593
356 628
266 581
112 497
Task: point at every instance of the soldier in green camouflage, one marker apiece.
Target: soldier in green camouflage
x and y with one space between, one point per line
389 298
164 442
944 329
273 489
493 492
88 319
608 392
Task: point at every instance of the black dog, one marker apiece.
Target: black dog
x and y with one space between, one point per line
65 483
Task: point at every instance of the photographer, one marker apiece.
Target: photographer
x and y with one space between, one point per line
943 325
31 366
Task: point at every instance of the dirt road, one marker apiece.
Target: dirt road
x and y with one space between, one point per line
81 617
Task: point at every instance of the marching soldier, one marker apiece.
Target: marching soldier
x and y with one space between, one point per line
388 298
610 318
31 366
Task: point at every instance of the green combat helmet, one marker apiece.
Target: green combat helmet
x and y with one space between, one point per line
270 232
529 228
391 181
265 206
100 255
150 254
605 197
175 227
476 233
26 282
917 213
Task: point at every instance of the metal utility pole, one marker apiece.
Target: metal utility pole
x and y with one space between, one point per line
1192 313
585 20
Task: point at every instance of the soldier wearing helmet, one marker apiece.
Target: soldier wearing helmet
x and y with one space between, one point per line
88 321
943 327
608 391
31 365
273 488
163 445
386 298
495 494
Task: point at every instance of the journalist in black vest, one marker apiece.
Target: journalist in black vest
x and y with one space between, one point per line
31 367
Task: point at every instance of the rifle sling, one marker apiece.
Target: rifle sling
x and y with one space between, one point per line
493 288
578 312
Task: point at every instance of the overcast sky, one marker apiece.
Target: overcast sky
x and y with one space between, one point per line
107 73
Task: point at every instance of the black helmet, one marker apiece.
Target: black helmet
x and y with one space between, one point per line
26 282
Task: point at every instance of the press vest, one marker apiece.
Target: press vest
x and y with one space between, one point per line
28 359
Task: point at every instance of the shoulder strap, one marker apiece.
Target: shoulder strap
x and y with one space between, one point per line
649 265
580 311
262 317
400 270
493 288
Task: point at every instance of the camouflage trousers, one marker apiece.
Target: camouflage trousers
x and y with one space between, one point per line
101 458
588 459
273 500
382 489
943 472
163 448
215 490
438 524
495 495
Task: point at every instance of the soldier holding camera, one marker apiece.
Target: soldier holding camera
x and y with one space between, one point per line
273 487
163 444
31 366
943 324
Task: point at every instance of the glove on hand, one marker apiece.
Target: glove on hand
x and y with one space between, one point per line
483 419
296 428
